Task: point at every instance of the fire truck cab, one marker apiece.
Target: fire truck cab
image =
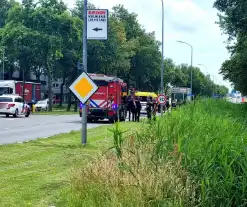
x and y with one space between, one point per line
109 101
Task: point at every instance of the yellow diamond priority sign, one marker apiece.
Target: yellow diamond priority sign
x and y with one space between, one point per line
83 87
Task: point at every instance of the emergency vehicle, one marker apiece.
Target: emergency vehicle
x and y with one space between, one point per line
13 104
109 101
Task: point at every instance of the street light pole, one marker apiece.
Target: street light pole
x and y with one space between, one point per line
213 89
191 64
162 62
204 67
3 51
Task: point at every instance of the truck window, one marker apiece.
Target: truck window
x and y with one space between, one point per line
100 82
6 90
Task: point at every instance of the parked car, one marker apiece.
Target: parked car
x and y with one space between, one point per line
41 105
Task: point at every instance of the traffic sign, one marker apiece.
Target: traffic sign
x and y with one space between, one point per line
161 99
97 24
83 87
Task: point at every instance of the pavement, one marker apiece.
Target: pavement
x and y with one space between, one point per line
17 130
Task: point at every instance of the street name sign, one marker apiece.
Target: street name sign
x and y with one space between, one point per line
161 99
83 87
97 24
180 90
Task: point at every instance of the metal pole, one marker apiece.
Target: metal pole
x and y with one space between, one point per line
191 70
3 62
162 63
84 57
191 66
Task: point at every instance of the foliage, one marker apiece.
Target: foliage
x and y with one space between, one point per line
45 37
196 156
233 21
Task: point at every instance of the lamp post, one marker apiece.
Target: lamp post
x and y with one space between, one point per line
204 67
191 63
213 91
162 63
3 51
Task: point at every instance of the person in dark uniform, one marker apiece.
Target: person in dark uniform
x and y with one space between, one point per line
129 107
167 105
133 109
138 108
155 109
149 108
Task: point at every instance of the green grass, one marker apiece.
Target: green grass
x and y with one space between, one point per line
35 173
56 112
195 156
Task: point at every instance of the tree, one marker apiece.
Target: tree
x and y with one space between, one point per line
233 22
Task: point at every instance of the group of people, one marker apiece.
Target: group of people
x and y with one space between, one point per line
134 108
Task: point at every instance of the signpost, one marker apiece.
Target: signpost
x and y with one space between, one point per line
161 99
97 24
95 28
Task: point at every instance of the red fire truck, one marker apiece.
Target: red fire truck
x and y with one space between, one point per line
109 101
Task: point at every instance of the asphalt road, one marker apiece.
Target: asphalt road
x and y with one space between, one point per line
22 129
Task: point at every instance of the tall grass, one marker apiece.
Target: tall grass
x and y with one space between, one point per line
195 156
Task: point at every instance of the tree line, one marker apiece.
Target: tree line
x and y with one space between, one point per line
233 22
45 37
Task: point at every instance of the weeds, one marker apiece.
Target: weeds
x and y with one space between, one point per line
194 157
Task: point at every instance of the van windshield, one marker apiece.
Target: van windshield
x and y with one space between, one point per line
6 90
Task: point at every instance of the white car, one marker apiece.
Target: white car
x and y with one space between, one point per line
13 105
41 105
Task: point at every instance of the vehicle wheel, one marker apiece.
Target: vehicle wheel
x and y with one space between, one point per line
89 120
7 115
27 114
16 113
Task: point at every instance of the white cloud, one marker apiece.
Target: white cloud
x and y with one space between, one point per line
192 21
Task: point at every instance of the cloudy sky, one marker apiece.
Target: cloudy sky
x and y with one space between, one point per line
192 21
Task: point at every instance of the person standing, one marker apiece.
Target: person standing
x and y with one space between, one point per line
155 109
133 109
129 107
149 108
138 108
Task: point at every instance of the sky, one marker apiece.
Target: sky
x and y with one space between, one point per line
191 21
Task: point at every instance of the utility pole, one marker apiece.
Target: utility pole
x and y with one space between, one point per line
84 57
191 64
162 63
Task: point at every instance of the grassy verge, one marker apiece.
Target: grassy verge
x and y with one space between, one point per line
35 173
195 156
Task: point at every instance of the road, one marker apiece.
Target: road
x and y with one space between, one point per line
22 129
